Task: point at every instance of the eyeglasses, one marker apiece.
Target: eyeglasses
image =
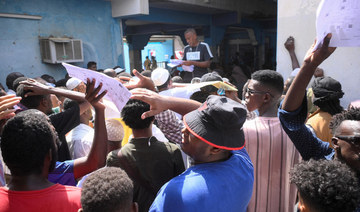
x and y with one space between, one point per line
252 92
353 139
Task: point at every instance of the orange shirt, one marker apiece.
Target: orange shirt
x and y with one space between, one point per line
56 198
320 121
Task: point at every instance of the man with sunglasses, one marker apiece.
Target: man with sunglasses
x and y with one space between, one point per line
269 148
345 126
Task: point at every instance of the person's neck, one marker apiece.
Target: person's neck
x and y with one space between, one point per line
142 133
196 44
84 121
270 110
29 183
215 159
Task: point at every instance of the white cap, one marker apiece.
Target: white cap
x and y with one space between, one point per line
115 130
159 76
119 70
72 83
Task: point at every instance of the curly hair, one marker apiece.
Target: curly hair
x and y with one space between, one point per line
351 114
25 141
107 189
132 112
327 185
270 78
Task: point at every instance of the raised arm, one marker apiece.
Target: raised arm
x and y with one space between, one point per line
41 89
313 59
290 46
160 103
98 151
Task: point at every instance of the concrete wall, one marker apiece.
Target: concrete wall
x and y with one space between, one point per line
88 20
297 18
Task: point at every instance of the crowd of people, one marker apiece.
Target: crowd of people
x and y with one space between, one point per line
194 142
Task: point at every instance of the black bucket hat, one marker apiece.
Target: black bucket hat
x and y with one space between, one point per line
218 122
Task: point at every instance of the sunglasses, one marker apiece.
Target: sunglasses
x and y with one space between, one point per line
353 139
252 92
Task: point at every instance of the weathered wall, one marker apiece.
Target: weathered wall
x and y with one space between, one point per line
297 18
88 20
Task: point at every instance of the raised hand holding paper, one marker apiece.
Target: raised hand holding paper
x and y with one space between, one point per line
117 93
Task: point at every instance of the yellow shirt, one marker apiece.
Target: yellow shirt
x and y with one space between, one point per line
320 121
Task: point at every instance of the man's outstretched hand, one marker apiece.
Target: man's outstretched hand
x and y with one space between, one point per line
315 58
92 94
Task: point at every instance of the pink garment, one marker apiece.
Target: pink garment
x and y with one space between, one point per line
273 155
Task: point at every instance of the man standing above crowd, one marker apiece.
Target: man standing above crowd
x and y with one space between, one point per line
197 54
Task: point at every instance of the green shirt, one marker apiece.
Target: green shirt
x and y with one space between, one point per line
157 162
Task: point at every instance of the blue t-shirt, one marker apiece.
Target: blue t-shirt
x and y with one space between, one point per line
219 186
63 173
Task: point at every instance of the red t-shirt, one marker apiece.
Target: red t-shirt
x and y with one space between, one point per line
55 198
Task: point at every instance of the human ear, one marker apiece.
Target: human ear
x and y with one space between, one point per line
335 143
215 150
267 97
134 207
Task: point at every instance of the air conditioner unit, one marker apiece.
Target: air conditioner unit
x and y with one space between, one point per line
58 50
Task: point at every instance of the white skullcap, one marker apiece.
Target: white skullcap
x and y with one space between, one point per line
159 76
115 130
119 70
72 83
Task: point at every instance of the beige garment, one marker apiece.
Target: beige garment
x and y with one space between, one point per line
319 122
273 155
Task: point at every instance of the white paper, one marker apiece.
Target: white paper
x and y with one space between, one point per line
188 68
174 62
116 92
342 19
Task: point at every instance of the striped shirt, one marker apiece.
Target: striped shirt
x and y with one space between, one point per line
273 155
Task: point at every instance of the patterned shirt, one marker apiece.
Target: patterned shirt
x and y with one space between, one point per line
273 155
170 125
305 141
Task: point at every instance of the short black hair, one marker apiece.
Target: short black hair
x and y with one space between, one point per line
107 189
68 103
16 82
269 78
177 79
25 141
131 114
327 185
61 83
91 63
351 114
11 77
200 96
146 73
31 102
48 78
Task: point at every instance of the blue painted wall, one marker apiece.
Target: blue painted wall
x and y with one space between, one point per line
88 20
